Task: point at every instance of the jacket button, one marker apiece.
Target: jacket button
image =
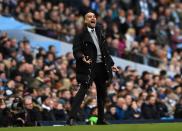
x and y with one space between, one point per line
107 71
104 56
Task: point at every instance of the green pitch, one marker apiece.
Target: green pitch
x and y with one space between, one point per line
118 127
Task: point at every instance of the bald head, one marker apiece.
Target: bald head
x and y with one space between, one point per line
90 19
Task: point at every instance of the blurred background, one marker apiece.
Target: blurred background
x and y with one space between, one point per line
37 67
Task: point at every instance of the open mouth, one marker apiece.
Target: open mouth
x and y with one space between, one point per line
92 22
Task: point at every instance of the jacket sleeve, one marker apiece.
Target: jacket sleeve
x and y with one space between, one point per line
108 55
111 60
103 35
77 51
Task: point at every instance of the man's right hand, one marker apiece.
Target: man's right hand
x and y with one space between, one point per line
87 60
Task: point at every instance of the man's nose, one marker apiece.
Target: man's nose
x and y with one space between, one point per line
92 17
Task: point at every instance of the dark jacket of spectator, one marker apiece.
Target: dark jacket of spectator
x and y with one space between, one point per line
59 114
6 118
33 116
162 109
150 111
135 113
48 115
178 110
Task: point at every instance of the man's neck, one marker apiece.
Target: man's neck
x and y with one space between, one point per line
90 29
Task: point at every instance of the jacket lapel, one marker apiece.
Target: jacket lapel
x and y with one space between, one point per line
87 36
98 32
98 35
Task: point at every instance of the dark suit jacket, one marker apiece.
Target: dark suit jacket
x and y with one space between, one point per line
33 116
150 111
48 115
84 45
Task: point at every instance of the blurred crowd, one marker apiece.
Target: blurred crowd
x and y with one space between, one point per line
144 31
37 85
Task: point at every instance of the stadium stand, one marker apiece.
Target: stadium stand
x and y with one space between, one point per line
148 29
37 84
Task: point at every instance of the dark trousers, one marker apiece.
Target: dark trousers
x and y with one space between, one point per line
99 76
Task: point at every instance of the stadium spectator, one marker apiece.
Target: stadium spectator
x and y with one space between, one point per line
33 114
121 109
178 109
149 108
6 118
128 94
154 20
152 29
47 106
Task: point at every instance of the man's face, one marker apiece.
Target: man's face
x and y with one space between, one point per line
152 100
29 104
90 20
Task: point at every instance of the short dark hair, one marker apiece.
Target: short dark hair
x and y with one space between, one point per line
90 11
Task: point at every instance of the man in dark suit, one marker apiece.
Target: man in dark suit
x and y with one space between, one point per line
33 114
93 64
149 108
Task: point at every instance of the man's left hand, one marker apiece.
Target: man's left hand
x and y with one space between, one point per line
115 69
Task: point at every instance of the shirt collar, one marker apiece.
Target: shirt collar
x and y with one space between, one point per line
90 29
46 107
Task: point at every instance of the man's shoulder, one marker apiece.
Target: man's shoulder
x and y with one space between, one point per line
81 33
99 27
79 36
